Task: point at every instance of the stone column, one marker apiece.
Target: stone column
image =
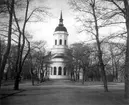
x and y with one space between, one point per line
62 71
57 70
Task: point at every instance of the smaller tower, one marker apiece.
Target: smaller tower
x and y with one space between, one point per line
60 45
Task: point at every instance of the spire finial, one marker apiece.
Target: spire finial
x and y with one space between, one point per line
61 15
61 19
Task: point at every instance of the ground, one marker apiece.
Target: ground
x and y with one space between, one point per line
64 92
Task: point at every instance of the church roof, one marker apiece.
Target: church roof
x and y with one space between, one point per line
61 55
61 27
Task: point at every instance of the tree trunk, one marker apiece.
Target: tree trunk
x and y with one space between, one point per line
126 3
17 78
20 59
116 70
16 82
0 50
127 68
113 61
102 66
104 78
5 57
83 79
100 56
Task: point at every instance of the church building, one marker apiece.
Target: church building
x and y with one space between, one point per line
58 68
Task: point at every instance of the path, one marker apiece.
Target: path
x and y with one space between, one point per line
65 93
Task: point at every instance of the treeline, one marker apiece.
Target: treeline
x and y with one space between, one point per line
83 62
35 67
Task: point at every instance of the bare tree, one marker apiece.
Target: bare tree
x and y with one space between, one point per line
37 59
123 6
10 7
21 45
78 59
117 53
70 63
22 38
90 14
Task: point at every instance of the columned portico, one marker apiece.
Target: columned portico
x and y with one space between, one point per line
58 71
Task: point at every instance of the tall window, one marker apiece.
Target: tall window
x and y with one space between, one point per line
65 42
64 70
60 42
54 70
51 70
55 42
59 71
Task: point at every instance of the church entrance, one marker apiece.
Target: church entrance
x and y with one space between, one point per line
58 72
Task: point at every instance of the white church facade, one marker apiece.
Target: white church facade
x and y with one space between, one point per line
58 69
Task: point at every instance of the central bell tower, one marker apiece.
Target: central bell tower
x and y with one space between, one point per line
60 37
60 44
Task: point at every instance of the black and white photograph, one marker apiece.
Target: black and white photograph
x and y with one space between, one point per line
64 52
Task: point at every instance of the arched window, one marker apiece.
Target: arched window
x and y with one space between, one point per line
54 70
64 70
60 42
55 42
65 42
59 70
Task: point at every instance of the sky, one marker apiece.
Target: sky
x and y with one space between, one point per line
45 30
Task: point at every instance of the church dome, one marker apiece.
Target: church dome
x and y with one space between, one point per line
61 27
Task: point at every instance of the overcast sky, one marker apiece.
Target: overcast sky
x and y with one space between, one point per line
45 30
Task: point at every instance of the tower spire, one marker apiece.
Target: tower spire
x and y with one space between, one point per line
61 19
